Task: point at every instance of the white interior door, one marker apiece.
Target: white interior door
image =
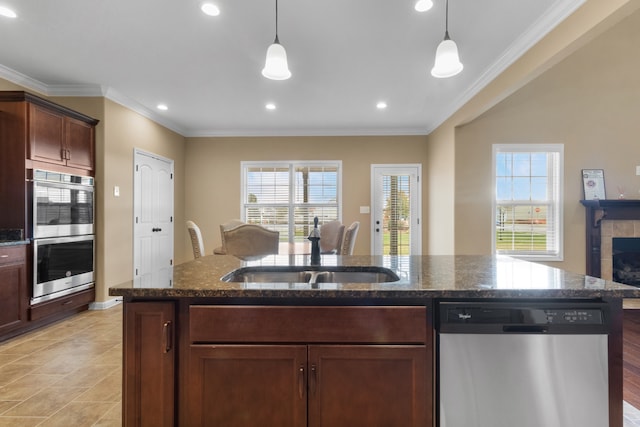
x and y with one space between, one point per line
396 209
152 221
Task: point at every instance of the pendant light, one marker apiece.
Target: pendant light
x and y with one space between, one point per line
447 62
275 65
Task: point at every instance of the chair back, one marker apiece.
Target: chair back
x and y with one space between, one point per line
196 239
247 240
222 250
349 241
331 237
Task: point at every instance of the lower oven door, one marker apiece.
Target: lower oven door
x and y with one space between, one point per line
62 265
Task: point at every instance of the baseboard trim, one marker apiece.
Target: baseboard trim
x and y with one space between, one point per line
105 304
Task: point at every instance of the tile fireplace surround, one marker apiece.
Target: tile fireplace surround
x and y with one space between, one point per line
606 219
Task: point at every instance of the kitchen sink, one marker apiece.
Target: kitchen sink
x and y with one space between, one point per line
312 275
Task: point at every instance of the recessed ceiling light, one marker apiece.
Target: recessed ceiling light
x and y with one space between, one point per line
381 105
5 11
270 106
210 9
162 107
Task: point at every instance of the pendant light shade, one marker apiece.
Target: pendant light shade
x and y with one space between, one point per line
447 60
447 63
275 64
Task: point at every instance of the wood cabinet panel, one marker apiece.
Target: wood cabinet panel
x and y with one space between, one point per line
46 135
80 144
149 364
368 386
14 295
247 386
71 303
336 324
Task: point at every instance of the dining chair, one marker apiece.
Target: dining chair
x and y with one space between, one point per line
349 241
197 243
222 249
248 240
331 237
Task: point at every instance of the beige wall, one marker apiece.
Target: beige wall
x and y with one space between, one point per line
213 176
124 131
590 103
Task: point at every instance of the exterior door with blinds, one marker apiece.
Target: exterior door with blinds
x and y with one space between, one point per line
396 210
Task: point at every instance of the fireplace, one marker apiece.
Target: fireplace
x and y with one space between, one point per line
606 221
625 252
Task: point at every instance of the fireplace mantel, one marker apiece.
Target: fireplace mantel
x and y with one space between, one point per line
596 211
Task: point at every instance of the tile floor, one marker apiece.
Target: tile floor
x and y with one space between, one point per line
70 374
66 374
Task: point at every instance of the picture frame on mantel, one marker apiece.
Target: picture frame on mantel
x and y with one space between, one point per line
593 184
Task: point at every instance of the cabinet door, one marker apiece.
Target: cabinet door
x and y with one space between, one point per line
79 138
368 386
13 288
46 135
247 386
149 364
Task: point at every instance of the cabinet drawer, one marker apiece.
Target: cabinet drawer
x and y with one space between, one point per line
335 324
62 304
12 254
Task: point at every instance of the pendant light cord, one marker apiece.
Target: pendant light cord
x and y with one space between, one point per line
446 21
276 40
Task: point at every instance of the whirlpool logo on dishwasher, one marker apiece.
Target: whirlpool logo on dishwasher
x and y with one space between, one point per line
464 316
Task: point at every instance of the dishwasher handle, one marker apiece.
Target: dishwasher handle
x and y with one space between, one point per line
525 329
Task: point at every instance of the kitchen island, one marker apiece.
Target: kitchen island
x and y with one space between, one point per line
212 352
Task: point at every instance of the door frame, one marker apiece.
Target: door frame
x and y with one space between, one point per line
415 200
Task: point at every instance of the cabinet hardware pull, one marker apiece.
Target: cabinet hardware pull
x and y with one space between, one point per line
301 381
167 336
4 256
313 381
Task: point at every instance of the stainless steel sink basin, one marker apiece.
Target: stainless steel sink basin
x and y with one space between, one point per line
312 275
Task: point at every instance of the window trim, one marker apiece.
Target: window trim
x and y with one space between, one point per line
291 165
559 202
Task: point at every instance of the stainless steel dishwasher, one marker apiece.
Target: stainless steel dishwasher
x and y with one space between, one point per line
507 364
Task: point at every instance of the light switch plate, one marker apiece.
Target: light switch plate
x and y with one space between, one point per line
364 209
637 170
116 191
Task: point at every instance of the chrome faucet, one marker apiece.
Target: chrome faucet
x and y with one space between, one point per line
315 243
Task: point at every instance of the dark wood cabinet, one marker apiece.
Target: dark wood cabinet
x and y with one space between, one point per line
308 366
149 364
40 134
14 294
36 133
236 385
56 138
315 385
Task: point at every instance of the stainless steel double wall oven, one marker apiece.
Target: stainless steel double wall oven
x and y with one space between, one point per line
63 233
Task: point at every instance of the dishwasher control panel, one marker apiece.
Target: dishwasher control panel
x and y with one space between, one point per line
532 317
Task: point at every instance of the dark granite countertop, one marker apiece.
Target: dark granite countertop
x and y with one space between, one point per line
12 237
14 242
464 276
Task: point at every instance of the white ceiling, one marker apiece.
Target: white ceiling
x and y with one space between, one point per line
345 56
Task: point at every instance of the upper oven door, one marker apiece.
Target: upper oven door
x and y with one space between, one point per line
62 209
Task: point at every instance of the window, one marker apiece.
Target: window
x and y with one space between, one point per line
528 200
287 196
